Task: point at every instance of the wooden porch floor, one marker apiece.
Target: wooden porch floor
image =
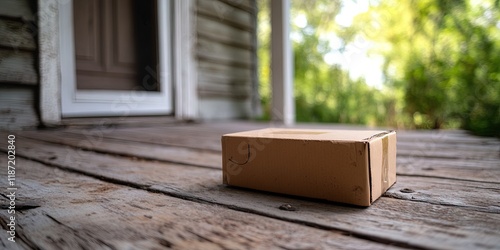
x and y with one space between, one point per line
160 187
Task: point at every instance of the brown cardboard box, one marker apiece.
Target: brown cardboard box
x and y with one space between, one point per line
354 167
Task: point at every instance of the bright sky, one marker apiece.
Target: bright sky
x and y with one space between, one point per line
355 57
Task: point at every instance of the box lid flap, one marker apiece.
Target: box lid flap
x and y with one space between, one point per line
311 134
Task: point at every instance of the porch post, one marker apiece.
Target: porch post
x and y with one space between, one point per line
282 103
49 65
184 60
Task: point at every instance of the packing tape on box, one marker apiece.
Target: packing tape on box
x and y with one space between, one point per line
385 162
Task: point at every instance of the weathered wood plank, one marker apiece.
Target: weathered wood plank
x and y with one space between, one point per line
224 75
189 138
217 107
169 139
475 195
226 13
226 38
78 212
464 169
210 50
16 35
206 69
440 188
449 144
17 67
448 153
97 139
123 121
444 146
450 150
16 9
248 5
417 224
212 79
17 108
231 91
218 31
93 140
449 136
472 173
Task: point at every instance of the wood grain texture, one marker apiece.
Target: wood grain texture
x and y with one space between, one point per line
417 163
221 73
236 91
224 81
216 30
93 214
17 35
430 221
94 140
216 107
123 121
17 67
220 10
225 54
248 5
19 9
477 196
17 108
168 150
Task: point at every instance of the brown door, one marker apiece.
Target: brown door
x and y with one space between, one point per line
115 44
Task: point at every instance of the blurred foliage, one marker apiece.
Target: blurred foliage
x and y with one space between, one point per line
441 64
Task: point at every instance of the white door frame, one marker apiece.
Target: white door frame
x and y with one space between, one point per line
178 69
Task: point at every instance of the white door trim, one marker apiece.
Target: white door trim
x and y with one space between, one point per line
184 68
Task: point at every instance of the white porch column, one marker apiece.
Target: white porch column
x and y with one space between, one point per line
49 65
282 102
184 60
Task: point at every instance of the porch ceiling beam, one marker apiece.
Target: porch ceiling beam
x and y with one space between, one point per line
282 103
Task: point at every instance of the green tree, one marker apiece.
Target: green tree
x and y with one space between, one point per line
442 64
323 92
444 57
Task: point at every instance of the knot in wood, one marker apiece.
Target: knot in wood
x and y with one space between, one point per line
407 190
287 207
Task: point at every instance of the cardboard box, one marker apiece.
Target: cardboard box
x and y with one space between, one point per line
354 167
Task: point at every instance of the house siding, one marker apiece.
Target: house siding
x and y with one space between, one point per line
226 57
225 52
18 62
